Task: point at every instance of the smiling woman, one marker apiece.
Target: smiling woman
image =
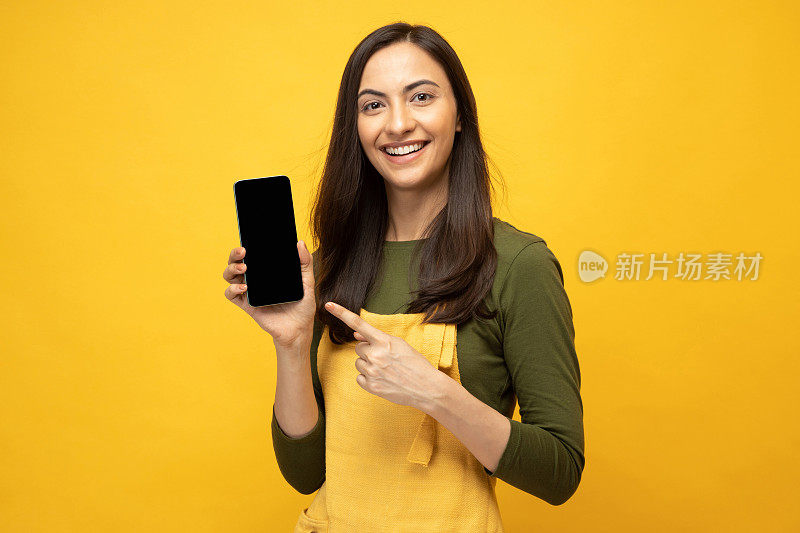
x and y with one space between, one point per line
437 317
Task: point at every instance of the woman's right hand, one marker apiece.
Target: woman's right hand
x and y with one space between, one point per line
290 324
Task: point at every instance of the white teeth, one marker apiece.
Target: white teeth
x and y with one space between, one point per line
404 149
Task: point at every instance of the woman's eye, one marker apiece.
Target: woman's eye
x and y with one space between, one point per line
426 95
368 106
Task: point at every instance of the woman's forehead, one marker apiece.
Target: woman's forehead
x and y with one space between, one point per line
397 65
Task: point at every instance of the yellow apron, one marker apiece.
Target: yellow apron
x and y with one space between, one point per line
391 467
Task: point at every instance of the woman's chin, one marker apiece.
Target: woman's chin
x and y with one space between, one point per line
407 180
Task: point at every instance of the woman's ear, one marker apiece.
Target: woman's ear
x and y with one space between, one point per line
458 123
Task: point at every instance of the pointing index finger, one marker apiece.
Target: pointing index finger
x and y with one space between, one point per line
370 332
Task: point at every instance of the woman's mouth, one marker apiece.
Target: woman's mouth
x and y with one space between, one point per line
403 158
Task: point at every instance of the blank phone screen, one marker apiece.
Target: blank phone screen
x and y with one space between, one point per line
268 233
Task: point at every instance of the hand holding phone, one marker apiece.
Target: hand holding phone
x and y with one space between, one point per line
279 271
289 324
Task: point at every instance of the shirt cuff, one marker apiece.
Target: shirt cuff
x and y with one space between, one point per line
509 452
314 434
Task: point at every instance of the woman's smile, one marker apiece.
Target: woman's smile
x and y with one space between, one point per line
405 158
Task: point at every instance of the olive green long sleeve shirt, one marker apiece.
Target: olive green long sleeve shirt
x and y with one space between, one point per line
526 354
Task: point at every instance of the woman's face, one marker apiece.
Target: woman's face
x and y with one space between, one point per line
405 101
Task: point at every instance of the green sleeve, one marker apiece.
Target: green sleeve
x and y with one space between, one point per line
545 452
302 460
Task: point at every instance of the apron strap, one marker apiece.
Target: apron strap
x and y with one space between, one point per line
439 343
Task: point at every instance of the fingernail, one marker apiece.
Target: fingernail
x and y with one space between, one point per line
329 305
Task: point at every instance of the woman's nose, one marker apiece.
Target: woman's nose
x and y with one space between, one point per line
400 120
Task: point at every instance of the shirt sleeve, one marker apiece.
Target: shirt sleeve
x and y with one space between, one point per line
302 460
545 452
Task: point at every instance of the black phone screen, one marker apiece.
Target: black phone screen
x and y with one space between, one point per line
268 233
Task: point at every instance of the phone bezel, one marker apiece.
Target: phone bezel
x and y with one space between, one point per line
239 227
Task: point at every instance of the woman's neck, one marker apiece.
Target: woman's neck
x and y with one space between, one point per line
409 225
410 212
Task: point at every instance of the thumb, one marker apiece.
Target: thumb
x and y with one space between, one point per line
307 271
306 261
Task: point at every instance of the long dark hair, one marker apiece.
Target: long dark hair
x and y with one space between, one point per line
349 217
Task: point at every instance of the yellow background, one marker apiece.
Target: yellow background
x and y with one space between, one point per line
135 397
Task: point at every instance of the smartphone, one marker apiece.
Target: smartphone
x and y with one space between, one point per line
267 231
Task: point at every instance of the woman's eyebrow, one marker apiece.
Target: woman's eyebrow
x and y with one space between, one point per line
405 89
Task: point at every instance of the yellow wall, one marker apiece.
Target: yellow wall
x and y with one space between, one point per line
134 397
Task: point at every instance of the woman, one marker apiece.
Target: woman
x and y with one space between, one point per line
375 407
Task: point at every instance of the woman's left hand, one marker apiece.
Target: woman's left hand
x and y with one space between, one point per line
389 367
